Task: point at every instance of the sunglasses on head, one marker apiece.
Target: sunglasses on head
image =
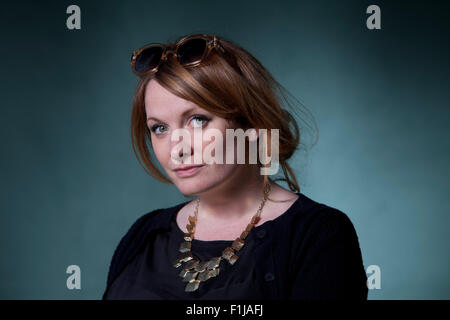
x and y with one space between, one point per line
189 51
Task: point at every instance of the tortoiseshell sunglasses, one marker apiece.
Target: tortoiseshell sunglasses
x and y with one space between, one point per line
189 51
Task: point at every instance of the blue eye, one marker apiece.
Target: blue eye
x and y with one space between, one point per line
158 129
199 121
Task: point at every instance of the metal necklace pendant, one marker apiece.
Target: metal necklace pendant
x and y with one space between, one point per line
194 271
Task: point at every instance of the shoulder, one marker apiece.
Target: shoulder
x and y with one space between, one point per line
135 237
326 255
158 218
127 240
149 219
142 224
317 220
330 218
155 219
321 212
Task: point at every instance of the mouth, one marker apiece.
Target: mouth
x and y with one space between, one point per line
188 171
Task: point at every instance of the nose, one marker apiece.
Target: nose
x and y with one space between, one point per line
181 151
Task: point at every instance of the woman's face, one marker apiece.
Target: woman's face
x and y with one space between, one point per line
167 112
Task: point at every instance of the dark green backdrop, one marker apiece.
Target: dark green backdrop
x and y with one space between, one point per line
71 186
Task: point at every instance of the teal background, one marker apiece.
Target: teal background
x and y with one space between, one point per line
71 185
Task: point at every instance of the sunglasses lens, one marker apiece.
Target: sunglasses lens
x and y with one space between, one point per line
148 59
191 50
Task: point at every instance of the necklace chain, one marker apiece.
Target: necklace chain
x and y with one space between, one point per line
194 271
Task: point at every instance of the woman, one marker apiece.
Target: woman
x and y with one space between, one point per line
243 236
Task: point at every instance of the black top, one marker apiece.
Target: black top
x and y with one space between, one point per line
152 276
311 251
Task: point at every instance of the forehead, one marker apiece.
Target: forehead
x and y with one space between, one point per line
159 101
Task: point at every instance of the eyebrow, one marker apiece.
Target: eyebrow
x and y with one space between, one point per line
182 115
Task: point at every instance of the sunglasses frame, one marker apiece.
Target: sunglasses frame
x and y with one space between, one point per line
211 43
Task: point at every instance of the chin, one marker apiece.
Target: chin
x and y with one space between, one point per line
192 186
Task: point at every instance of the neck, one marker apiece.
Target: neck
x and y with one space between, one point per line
235 199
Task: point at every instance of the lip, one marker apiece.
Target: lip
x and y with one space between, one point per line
187 171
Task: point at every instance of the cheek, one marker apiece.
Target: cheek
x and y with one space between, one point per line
212 146
220 144
161 151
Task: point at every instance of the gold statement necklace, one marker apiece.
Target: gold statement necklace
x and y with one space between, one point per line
195 271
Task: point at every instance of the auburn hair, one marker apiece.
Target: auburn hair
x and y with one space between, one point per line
231 84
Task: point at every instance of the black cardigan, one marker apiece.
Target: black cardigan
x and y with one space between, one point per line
310 252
